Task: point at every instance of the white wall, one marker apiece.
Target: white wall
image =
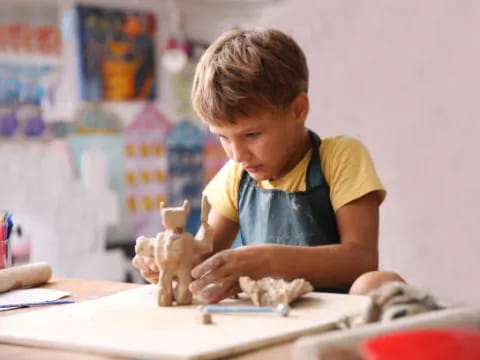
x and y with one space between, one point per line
403 76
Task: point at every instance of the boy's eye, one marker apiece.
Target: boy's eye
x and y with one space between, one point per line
253 135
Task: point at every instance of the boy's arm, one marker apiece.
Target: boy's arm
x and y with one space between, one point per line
324 266
340 264
224 230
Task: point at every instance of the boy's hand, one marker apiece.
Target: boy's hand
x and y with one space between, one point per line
217 277
147 268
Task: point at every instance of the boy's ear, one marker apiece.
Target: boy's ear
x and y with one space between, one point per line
299 107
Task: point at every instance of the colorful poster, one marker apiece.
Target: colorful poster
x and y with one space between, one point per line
117 48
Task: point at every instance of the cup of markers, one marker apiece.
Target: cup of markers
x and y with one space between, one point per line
6 225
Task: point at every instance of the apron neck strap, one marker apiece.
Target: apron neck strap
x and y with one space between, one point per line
314 171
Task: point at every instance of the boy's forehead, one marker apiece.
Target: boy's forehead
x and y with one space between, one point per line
243 123
236 127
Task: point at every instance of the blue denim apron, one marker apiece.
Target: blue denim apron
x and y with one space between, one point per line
302 218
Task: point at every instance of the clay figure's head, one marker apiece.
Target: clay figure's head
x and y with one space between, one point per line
175 218
143 246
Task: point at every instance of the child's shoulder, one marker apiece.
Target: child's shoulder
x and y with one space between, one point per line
340 144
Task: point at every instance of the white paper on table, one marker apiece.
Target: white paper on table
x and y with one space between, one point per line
22 296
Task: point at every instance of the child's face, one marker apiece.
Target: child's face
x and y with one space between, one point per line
267 145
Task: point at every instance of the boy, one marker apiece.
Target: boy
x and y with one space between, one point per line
306 207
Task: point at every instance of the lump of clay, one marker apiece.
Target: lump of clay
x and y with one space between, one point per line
396 299
272 292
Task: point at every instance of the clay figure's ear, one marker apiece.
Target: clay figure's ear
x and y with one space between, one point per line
186 206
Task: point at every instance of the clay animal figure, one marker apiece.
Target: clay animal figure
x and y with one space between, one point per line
176 251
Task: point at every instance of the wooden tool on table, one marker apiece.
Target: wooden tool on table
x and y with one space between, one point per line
24 276
206 311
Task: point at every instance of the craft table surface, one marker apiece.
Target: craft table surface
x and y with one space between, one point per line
83 290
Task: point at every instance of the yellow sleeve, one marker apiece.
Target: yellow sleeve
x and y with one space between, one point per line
349 170
222 190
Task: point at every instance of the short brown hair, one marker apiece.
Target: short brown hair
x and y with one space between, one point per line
246 71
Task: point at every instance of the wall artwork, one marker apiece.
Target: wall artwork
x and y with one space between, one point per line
185 146
29 64
146 171
117 49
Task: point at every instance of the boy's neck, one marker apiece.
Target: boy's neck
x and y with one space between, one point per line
301 148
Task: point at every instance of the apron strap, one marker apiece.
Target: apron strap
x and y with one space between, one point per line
314 172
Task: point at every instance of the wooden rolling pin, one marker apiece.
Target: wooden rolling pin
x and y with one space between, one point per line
24 276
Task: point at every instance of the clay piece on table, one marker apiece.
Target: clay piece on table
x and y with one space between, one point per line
273 292
176 251
396 299
205 317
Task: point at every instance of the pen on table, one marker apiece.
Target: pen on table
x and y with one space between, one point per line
40 303
8 224
3 244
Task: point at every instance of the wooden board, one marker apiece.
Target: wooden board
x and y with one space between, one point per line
130 324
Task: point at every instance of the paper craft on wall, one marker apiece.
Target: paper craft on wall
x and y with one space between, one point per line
30 48
117 50
185 168
22 89
146 169
95 128
93 118
181 81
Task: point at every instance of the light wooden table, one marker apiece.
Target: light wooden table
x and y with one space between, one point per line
82 290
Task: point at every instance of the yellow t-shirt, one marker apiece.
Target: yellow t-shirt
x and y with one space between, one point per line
346 165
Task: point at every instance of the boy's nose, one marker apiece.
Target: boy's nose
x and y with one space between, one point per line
238 153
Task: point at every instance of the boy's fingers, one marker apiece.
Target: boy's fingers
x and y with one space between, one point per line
149 275
197 285
209 265
153 267
213 277
141 262
138 262
220 290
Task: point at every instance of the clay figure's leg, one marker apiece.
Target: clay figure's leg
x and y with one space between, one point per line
184 296
165 288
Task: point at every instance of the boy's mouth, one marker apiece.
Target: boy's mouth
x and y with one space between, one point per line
253 169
